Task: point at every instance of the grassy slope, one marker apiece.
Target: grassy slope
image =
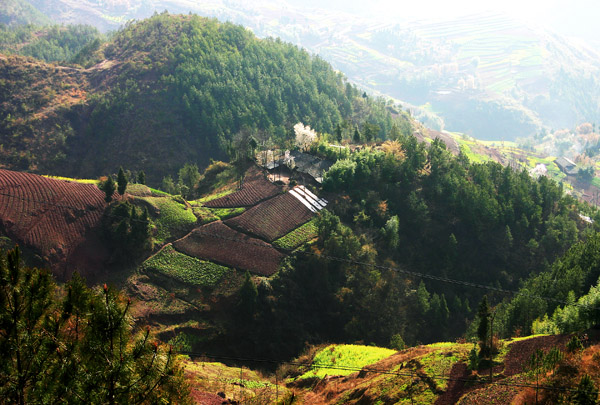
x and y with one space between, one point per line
509 153
175 217
237 383
340 357
184 268
424 374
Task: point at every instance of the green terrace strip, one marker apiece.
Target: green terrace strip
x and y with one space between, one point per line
204 215
83 181
241 384
184 268
224 213
298 236
216 195
351 356
173 216
440 362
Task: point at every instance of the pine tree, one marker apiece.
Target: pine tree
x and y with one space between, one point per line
121 181
248 298
356 137
108 186
587 393
26 351
338 133
141 178
483 328
78 346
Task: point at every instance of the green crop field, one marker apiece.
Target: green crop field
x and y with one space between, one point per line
215 195
184 268
441 361
83 181
224 213
173 216
298 236
345 356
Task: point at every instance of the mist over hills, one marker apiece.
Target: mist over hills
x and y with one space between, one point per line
461 74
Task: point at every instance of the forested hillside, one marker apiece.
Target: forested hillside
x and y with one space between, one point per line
49 43
170 90
17 12
413 238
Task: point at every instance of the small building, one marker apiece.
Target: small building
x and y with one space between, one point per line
310 165
566 165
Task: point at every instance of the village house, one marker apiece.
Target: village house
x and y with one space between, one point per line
566 165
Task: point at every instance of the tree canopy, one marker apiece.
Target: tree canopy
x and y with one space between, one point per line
76 344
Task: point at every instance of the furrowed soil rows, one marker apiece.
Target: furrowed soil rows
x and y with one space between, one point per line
256 188
520 352
273 218
50 216
220 244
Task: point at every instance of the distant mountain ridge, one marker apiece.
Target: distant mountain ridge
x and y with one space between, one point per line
521 79
166 91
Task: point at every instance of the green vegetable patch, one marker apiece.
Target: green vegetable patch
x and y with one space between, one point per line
224 213
344 359
298 236
184 268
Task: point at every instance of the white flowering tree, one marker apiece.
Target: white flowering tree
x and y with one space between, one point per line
305 136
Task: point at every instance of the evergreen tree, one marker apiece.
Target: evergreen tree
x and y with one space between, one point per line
356 137
248 298
587 393
78 346
141 178
26 351
338 133
121 181
483 328
189 176
108 186
394 132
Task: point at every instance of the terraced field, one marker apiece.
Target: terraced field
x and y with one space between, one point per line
255 188
50 216
220 244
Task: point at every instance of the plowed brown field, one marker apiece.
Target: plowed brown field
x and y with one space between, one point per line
256 188
220 244
273 218
50 216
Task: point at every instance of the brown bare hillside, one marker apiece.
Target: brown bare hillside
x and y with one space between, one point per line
52 217
273 218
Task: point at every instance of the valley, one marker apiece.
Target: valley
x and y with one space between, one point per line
255 228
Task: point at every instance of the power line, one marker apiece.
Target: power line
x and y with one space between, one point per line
378 371
332 258
400 270
354 262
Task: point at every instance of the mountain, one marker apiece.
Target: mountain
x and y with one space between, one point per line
50 43
19 12
171 90
461 73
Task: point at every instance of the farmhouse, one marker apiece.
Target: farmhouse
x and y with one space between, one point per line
566 165
309 165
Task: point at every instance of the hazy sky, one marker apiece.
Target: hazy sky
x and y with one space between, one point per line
576 18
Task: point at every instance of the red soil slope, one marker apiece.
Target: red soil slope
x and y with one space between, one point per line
220 244
256 188
52 217
273 218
